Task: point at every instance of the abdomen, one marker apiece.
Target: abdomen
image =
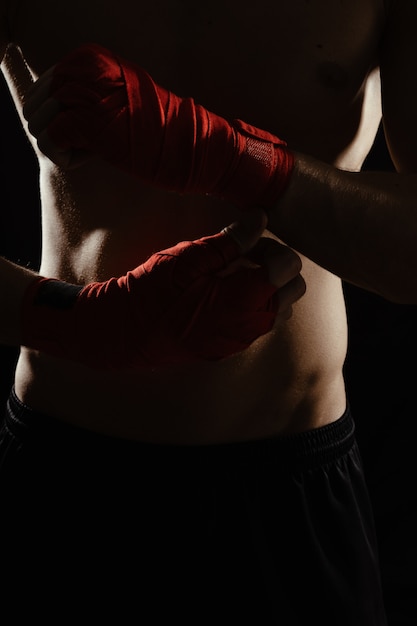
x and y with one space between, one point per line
289 380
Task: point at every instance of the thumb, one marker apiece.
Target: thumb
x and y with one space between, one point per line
247 230
216 253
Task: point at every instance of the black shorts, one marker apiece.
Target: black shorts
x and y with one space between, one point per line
276 531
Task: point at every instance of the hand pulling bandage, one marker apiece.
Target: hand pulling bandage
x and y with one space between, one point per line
172 309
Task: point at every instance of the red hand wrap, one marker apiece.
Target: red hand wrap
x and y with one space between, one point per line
114 108
172 309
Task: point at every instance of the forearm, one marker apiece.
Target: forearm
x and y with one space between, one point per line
360 226
349 223
186 303
14 281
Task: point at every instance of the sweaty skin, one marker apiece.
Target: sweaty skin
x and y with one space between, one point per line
305 71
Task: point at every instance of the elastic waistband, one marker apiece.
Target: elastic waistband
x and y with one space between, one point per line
304 450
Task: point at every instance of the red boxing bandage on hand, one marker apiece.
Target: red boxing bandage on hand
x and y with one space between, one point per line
172 309
114 108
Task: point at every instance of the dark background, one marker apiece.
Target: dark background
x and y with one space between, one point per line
19 209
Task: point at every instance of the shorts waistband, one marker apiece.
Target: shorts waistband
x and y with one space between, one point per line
305 450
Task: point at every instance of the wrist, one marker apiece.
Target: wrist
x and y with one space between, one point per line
46 314
281 213
306 200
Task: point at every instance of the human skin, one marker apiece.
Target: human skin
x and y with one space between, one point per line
308 72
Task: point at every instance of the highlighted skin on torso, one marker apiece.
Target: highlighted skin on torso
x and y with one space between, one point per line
302 70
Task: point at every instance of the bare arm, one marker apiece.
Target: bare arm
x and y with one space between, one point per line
363 227
360 226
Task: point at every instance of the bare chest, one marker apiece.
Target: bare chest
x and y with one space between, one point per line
257 60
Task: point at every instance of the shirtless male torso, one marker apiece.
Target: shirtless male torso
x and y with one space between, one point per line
326 56
306 71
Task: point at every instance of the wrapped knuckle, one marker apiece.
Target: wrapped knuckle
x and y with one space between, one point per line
294 262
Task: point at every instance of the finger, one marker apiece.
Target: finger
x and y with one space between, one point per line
40 118
51 150
38 93
282 263
68 159
222 250
289 294
247 231
263 248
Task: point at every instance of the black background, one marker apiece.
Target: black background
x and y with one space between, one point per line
19 209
